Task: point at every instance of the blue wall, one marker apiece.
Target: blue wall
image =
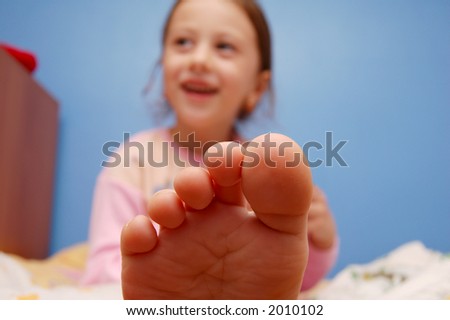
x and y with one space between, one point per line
375 73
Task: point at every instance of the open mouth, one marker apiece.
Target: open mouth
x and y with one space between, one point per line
199 89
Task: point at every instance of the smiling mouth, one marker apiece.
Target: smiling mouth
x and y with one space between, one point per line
199 89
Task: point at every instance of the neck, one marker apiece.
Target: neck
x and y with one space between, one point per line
199 141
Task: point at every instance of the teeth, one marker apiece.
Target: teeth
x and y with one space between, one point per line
199 88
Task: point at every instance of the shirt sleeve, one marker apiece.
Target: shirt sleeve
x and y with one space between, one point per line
114 204
320 262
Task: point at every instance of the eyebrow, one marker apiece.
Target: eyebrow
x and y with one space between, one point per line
231 34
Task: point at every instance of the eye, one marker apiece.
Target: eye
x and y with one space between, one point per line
226 47
183 42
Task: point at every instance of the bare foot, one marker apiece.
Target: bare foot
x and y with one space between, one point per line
210 246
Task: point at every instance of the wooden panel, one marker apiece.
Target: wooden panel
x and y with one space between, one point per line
28 138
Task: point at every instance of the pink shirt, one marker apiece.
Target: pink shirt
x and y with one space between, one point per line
122 192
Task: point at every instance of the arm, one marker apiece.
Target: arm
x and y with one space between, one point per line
114 204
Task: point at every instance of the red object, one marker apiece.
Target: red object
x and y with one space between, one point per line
26 59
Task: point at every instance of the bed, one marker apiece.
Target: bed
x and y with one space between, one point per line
409 272
53 278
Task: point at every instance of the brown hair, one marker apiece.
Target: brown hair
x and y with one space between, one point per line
259 22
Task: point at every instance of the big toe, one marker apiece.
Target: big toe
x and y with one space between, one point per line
277 182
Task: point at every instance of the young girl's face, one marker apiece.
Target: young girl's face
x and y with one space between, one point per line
211 64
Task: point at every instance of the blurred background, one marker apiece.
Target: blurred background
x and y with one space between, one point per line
374 73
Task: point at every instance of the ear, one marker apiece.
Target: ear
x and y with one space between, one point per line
262 84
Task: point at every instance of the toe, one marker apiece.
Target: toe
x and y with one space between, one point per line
166 209
138 236
223 161
277 182
194 187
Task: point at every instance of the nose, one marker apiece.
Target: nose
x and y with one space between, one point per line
201 58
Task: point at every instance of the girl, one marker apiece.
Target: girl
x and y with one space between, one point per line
216 66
